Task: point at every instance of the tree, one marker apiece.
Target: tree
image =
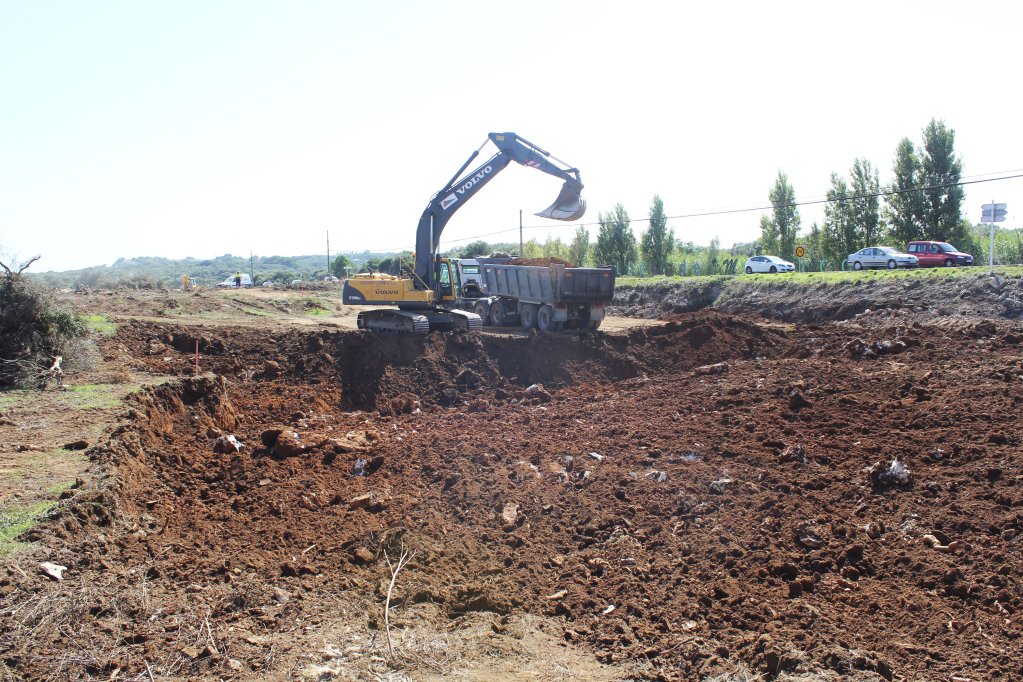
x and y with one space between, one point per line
555 248
532 249
940 173
786 215
476 248
579 249
657 242
340 265
768 234
903 208
616 244
841 235
866 201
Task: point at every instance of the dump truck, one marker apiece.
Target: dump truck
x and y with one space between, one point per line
545 297
426 298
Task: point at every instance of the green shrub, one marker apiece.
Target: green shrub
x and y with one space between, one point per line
33 330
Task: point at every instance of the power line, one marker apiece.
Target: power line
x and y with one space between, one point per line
768 207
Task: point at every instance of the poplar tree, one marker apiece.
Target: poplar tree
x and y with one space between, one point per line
616 244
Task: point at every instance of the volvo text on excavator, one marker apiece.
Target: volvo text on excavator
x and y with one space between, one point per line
420 297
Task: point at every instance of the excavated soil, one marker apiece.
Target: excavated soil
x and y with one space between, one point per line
717 495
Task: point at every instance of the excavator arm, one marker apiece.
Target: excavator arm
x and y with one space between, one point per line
568 206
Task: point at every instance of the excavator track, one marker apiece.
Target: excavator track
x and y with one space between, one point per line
393 321
418 322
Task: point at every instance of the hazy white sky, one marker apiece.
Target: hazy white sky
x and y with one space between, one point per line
193 128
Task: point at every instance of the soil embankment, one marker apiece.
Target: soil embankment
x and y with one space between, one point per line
720 494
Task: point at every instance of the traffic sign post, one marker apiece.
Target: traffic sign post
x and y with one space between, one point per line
992 213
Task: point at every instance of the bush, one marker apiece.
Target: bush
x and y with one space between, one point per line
33 330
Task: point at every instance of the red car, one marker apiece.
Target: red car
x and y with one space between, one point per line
935 254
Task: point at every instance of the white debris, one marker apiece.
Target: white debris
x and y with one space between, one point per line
55 571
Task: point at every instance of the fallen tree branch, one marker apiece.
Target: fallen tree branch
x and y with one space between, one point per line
402 560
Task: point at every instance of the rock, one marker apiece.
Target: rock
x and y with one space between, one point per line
226 444
809 538
794 453
368 502
895 473
537 391
55 571
874 530
271 369
80 444
510 513
281 596
362 556
718 487
716 368
560 594
797 400
269 437
289 444
191 652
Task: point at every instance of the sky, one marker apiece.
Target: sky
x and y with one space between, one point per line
197 129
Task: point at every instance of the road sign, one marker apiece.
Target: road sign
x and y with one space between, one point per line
994 207
995 216
800 252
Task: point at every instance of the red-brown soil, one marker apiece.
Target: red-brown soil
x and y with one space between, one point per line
687 500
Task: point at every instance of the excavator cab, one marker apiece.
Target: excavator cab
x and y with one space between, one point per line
445 287
569 205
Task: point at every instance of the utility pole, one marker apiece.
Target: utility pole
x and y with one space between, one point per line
521 246
328 253
252 272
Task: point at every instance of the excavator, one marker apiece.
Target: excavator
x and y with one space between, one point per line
425 297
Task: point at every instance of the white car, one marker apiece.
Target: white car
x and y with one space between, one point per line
768 264
230 283
881 257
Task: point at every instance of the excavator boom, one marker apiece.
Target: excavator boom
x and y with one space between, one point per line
568 206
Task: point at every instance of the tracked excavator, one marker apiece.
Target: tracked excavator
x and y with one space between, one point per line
425 298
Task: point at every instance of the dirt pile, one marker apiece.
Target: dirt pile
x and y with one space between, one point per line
688 500
541 261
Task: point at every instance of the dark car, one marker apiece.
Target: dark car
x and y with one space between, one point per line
938 254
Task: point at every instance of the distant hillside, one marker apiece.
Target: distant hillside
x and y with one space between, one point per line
154 272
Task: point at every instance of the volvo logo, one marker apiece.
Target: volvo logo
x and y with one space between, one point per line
471 182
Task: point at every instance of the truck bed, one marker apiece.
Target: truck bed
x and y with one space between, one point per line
553 285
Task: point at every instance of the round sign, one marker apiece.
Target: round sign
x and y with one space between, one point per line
800 252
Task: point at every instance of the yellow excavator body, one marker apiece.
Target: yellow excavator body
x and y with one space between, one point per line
381 289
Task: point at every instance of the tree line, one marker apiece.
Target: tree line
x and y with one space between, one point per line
923 201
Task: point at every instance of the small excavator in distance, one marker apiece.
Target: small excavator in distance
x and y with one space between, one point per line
421 297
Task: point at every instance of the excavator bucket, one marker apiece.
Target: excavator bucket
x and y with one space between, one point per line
569 205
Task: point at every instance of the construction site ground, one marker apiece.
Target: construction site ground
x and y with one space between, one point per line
766 485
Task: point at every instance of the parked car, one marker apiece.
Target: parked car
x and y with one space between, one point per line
768 264
881 257
229 282
935 254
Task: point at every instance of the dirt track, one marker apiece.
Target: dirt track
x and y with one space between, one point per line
677 501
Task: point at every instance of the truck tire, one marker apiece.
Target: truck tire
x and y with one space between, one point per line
481 309
527 313
545 319
498 315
